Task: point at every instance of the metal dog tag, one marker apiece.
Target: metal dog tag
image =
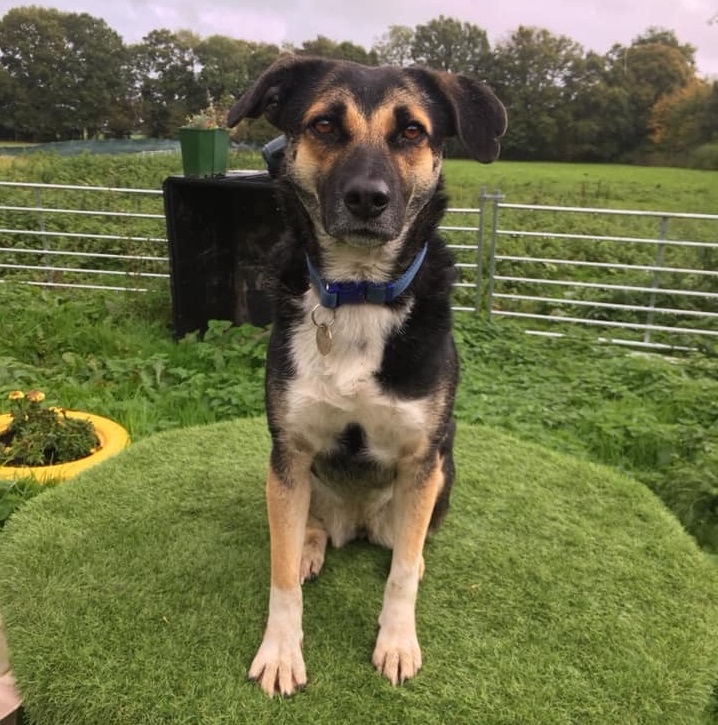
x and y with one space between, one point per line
324 339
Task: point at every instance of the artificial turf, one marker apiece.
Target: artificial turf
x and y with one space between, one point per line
556 592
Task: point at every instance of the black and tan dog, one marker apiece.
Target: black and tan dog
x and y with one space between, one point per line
361 368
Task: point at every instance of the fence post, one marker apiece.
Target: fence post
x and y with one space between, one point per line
480 250
41 220
496 197
660 251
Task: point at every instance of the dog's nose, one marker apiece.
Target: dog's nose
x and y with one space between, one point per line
367 199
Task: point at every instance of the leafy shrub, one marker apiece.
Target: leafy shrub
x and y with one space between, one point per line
704 157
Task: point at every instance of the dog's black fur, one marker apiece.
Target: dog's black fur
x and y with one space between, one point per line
415 357
361 435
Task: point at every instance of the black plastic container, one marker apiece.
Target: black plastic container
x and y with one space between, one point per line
220 233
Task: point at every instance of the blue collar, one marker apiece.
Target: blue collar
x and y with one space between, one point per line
334 294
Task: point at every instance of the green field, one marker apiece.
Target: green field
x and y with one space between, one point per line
600 185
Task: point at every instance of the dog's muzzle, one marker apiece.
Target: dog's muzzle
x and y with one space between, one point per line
362 202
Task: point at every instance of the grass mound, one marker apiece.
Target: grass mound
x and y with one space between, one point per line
556 592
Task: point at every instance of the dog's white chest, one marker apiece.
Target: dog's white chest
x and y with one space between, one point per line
331 391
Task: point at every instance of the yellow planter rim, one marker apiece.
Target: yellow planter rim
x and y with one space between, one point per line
112 436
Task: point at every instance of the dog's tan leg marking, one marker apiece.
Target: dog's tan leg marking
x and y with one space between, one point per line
278 665
315 544
397 654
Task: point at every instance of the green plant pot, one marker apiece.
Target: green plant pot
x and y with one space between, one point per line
204 151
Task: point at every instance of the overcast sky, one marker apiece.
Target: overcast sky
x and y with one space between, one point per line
596 24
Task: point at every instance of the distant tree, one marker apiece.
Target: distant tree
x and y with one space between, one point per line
9 96
260 58
224 65
681 119
599 113
647 70
538 76
663 36
450 45
68 72
710 115
326 48
395 46
167 77
228 66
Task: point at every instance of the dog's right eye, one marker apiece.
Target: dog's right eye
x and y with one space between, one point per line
323 126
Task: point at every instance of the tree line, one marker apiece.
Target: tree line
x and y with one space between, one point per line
69 75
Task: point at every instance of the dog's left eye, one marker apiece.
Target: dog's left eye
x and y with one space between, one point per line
413 132
323 126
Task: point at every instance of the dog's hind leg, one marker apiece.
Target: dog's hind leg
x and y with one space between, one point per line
315 545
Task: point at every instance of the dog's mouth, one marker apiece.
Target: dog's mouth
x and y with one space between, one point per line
363 230
362 236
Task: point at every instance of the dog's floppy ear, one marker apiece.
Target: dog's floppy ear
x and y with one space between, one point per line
269 93
479 118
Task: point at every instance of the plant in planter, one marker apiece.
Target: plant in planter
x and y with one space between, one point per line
53 443
204 142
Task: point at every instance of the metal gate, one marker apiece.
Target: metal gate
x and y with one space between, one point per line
652 276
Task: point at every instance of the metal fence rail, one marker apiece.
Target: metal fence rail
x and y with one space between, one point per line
650 275
43 226
654 273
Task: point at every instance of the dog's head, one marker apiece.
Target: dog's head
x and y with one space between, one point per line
364 144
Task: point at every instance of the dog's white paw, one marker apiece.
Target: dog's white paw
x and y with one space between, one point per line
278 666
397 655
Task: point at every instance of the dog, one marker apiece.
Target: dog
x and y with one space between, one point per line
361 367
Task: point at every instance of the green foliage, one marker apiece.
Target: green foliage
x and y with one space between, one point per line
647 71
229 65
654 418
324 47
167 87
68 74
13 494
704 157
395 46
450 45
42 436
679 120
533 72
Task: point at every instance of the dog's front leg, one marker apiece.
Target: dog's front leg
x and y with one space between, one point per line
278 665
397 654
